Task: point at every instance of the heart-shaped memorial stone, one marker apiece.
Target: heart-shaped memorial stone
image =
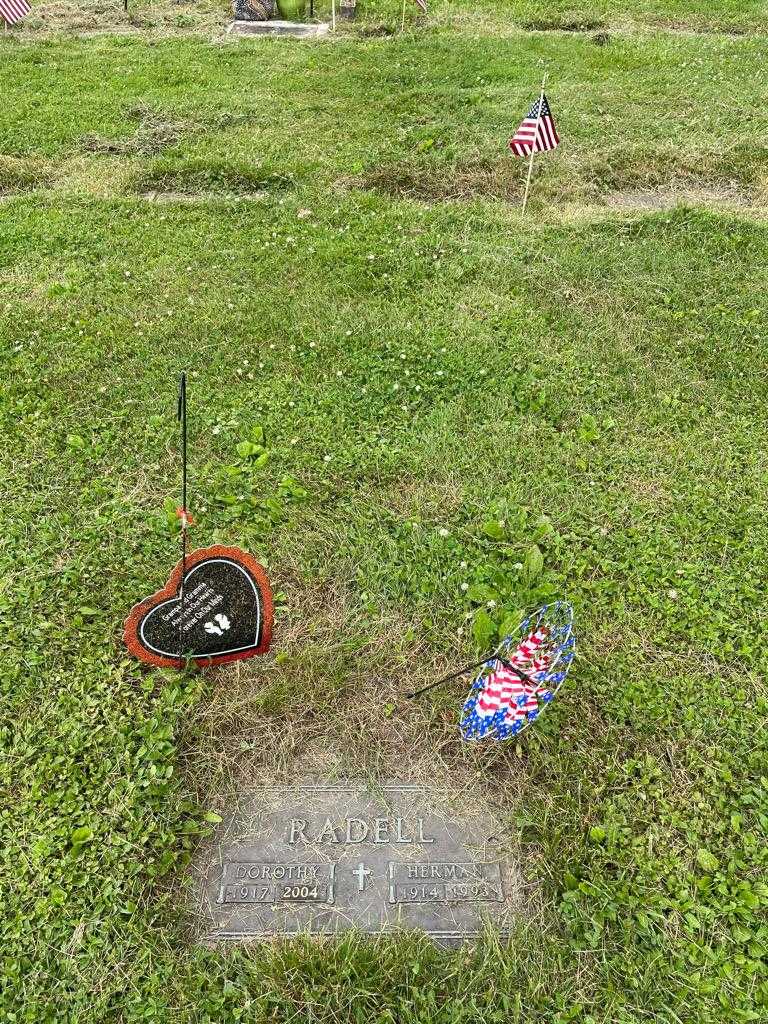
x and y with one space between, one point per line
220 611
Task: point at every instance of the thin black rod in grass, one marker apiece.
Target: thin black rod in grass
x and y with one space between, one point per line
181 415
469 668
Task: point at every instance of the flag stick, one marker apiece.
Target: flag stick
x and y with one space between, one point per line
333 15
181 415
464 671
535 140
402 23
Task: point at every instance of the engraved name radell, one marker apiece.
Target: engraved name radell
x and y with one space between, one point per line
357 830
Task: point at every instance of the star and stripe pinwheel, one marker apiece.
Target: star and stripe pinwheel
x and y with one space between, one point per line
520 679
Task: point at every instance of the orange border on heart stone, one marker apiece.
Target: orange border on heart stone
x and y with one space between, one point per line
171 590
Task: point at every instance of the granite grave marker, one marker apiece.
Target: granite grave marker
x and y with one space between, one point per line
326 858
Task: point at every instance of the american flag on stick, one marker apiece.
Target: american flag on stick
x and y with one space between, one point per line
12 11
536 133
520 679
422 4
515 694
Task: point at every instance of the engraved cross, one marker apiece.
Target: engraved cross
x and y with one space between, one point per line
362 873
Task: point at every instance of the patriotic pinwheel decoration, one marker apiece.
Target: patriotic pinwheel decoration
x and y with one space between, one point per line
522 676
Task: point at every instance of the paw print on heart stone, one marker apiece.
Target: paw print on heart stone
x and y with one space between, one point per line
219 626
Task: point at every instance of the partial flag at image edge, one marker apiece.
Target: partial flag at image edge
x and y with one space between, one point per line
12 11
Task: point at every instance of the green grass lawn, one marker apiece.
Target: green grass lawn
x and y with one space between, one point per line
335 253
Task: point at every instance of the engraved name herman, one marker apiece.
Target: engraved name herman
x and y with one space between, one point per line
445 872
357 830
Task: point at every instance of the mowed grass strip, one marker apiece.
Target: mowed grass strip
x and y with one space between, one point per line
155 18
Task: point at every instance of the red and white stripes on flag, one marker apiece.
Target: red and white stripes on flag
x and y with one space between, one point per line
537 132
505 690
422 4
12 11
528 648
501 689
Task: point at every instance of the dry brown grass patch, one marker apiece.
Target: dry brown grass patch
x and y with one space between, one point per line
636 177
428 499
497 178
155 132
21 174
332 705
93 17
564 23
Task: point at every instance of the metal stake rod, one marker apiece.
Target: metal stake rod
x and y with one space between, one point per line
182 418
463 672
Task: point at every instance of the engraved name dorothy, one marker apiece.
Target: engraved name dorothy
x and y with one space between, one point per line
378 831
280 872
